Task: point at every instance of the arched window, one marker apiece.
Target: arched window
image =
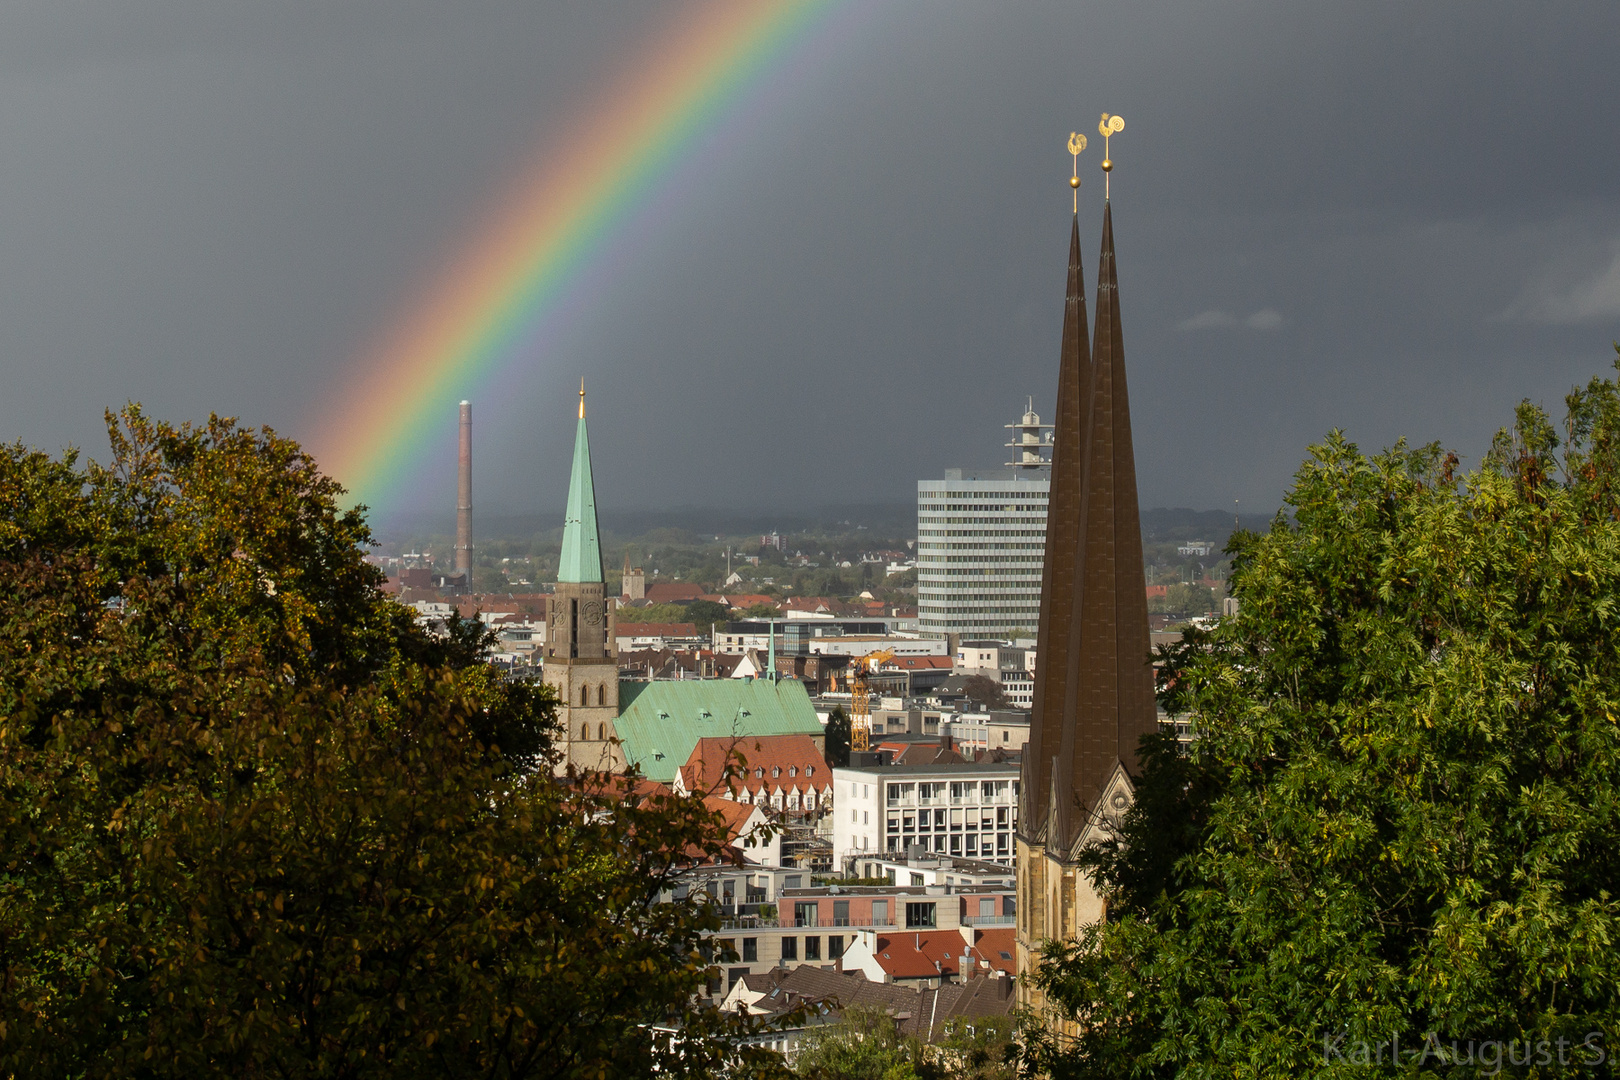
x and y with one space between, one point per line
584 732
601 731
584 695
601 694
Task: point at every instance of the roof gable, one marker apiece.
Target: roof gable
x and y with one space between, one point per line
660 723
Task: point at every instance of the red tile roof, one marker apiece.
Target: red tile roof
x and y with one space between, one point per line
920 955
996 946
918 663
773 762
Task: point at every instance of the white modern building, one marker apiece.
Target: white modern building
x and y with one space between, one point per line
981 537
967 810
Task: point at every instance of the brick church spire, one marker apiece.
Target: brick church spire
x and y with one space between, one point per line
1094 679
1109 703
1058 581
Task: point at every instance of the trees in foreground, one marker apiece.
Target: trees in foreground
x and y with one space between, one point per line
254 822
867 1044
1395 846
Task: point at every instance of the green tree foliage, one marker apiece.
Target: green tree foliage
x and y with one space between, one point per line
866 1044
653 613
837 752
1183 599
985 691
1402 814
255 822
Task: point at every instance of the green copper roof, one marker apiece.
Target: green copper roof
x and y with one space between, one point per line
581 549
660 723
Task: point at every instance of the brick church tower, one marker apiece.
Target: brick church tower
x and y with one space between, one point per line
581 661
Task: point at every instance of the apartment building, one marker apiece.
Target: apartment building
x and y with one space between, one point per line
968 809
981 539
819 925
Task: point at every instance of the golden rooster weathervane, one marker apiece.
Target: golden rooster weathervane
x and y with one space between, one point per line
1110 125
1077 143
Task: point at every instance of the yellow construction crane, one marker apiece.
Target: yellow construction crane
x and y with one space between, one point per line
860 712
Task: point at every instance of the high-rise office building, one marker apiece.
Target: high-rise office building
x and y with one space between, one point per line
980 539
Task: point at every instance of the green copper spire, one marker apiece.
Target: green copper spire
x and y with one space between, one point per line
581 549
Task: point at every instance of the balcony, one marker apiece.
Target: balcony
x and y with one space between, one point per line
989 920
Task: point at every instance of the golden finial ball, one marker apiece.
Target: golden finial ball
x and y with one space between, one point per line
1108 166
1074 181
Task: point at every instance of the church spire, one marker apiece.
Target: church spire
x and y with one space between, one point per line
1063 531
581 559
1093 682
1110 703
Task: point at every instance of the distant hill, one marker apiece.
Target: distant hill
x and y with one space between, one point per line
1160 524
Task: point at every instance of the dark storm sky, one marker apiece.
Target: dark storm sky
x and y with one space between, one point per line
1394 219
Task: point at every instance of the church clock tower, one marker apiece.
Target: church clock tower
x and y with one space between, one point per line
581 659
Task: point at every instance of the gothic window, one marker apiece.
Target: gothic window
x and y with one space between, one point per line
584 731
601 694
601 731
584 695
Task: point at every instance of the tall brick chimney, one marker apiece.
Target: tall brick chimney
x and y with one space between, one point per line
464 497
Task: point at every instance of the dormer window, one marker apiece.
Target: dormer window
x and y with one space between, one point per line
809 770
776 770
759 771
793 770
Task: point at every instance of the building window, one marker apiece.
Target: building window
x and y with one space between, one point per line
601 731
750 950
919 915
790 948
835 947
601 694
584 695
840 913
584 732
805 914
880 912
812 948
734 976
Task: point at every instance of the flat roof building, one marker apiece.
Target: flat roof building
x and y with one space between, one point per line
981 536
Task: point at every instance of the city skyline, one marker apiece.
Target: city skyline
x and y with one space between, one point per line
1395 222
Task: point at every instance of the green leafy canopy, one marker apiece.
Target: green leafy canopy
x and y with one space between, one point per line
254 821
1401 816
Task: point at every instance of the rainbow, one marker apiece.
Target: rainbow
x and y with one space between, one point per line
494 305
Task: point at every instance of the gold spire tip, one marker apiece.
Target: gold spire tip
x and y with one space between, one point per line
1109 126
582 397
1077 143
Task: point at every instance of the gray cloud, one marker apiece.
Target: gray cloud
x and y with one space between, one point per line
1264 319
1208 320
211 206
1550 297
1214 319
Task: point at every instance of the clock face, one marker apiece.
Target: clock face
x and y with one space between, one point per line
590 613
